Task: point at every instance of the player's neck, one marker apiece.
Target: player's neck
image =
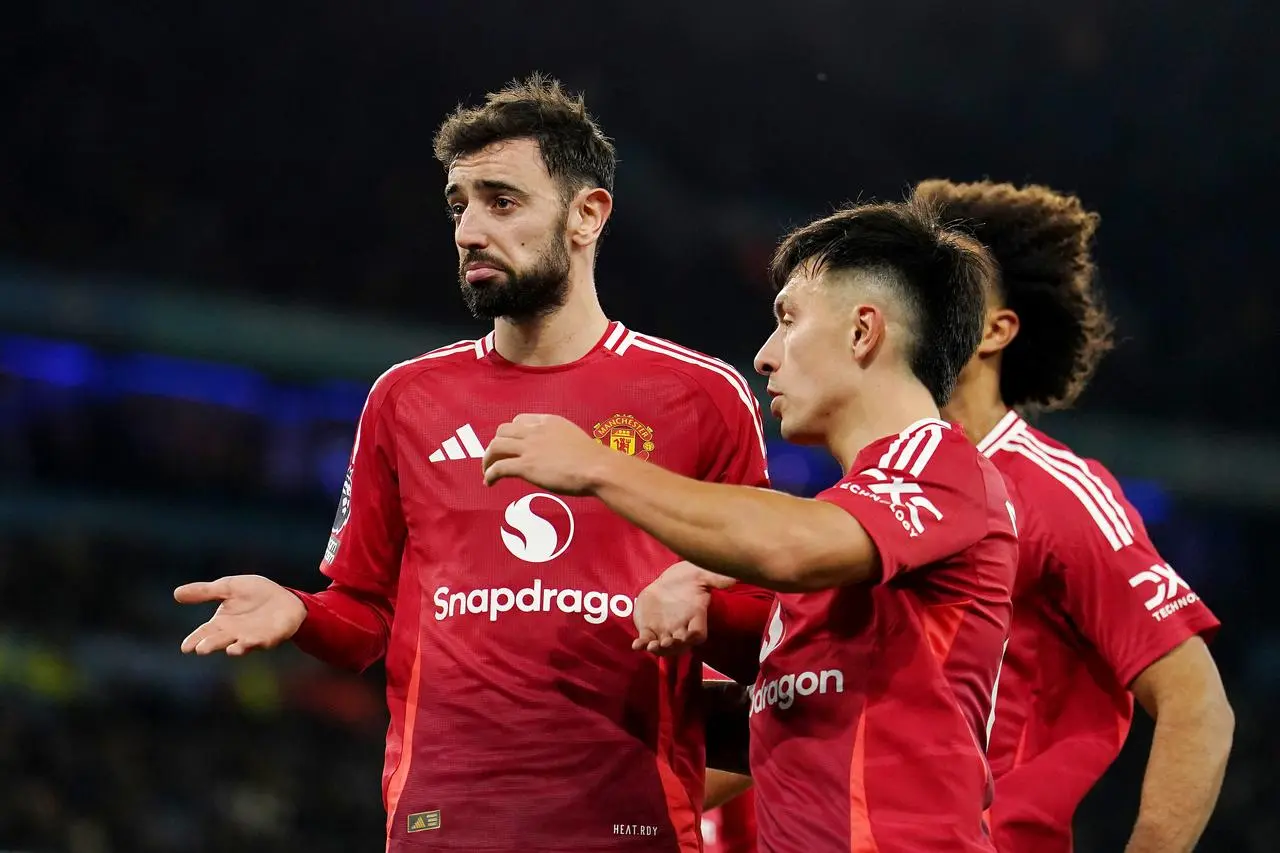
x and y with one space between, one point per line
561 337
976 404
884 412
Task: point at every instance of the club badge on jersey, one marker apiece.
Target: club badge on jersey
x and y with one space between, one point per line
626 434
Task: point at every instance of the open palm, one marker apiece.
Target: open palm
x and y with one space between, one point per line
255 613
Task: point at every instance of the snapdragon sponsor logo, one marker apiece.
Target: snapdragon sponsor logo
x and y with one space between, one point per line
594 606
782 692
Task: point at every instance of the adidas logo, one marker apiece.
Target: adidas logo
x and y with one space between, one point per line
463 444
423 821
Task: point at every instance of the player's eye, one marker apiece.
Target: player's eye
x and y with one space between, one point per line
504 203
455 211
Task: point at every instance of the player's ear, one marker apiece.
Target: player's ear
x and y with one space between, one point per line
866 332
999 330
588 213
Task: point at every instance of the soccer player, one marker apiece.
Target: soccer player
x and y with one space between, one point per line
871 711
1099 615
521 719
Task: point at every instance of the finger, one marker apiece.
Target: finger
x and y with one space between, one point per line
511 429
717 581
679 635
193 639
500 469
238 648
645 637
670 647
215 642
200 592
500 448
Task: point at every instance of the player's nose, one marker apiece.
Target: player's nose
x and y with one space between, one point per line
470 233
766 361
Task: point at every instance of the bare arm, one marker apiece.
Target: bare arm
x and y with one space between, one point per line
766 538
1194 724
763 537
723 786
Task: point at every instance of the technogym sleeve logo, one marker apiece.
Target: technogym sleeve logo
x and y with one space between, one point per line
537 536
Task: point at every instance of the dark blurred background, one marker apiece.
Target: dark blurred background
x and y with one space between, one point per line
219 222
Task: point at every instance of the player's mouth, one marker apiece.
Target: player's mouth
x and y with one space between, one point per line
774 402
478 272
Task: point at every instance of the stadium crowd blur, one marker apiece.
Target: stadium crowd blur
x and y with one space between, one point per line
281 153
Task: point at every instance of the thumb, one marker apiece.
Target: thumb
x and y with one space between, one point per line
198 593
712 580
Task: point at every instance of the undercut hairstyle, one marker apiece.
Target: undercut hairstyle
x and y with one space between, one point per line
940 276
1041 240
576 153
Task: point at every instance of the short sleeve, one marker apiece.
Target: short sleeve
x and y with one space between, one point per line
920 507
733 447
1126 599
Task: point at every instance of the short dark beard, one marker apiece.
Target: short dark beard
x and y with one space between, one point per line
526 294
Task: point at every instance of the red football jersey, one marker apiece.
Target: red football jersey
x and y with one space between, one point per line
732 827
1094 605
521 719
870 715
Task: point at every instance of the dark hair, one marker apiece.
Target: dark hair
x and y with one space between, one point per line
574 150
1041 240
940 274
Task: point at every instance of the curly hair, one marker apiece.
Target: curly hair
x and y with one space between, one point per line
574 150
941 275
1042 241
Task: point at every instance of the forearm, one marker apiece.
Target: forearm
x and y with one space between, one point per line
344 628
723 786
766 538
1184 775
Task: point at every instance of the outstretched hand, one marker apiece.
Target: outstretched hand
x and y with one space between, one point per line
671 613
545 450
255 613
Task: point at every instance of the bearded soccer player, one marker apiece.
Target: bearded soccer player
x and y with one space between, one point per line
1099 616
870 714
521 719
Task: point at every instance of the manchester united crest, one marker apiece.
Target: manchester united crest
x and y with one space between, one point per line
625 434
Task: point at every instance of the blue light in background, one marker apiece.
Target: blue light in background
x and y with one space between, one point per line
1149 498
197 381
61 363
73 365
801 470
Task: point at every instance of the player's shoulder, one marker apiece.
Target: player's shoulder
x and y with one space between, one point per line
1074 495
460 355
710 375
929 448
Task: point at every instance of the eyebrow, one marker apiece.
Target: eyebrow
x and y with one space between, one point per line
778 309
487 184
